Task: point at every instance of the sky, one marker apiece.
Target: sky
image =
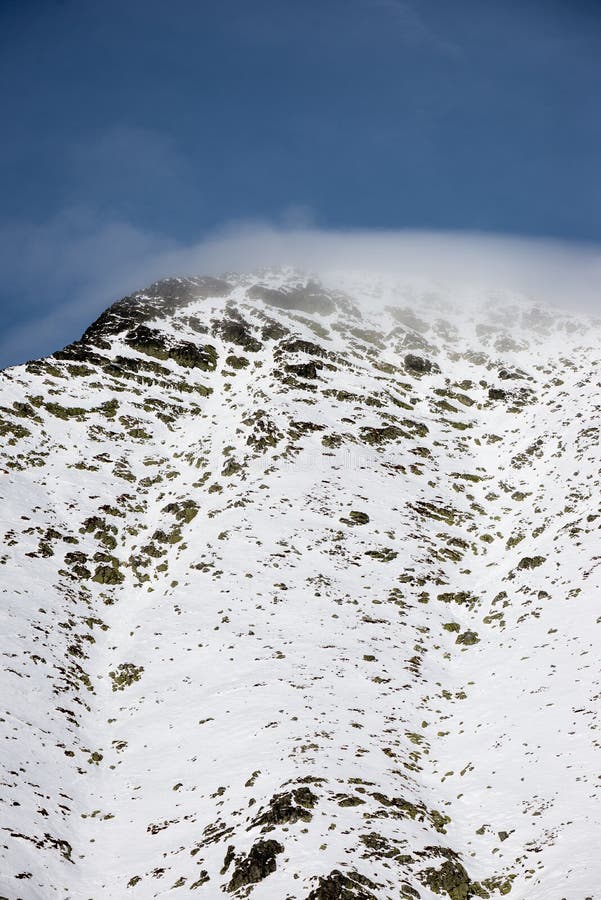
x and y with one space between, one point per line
136 132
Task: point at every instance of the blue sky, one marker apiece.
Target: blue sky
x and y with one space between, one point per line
134 129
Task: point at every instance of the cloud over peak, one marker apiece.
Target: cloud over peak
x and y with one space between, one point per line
84 264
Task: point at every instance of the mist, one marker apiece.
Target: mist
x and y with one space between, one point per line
66 273
555 272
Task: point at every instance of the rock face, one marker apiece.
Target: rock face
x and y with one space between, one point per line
260 862
293 613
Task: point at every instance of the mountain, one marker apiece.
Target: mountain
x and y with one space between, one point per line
300 598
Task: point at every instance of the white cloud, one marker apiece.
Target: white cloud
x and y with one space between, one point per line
81 265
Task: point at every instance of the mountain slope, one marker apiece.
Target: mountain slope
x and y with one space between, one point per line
300 599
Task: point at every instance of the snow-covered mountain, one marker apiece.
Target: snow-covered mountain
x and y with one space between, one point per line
300 599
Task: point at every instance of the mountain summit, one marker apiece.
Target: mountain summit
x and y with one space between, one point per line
300 599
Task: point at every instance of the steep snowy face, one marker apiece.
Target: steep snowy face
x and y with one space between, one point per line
300 599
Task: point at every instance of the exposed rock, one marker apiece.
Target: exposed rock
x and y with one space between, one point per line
257 865
344 886
237 331
304 370
161 299
450 879
531 562
310 298
417 365
469 638
287 809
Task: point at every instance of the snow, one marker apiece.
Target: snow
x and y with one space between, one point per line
271 648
